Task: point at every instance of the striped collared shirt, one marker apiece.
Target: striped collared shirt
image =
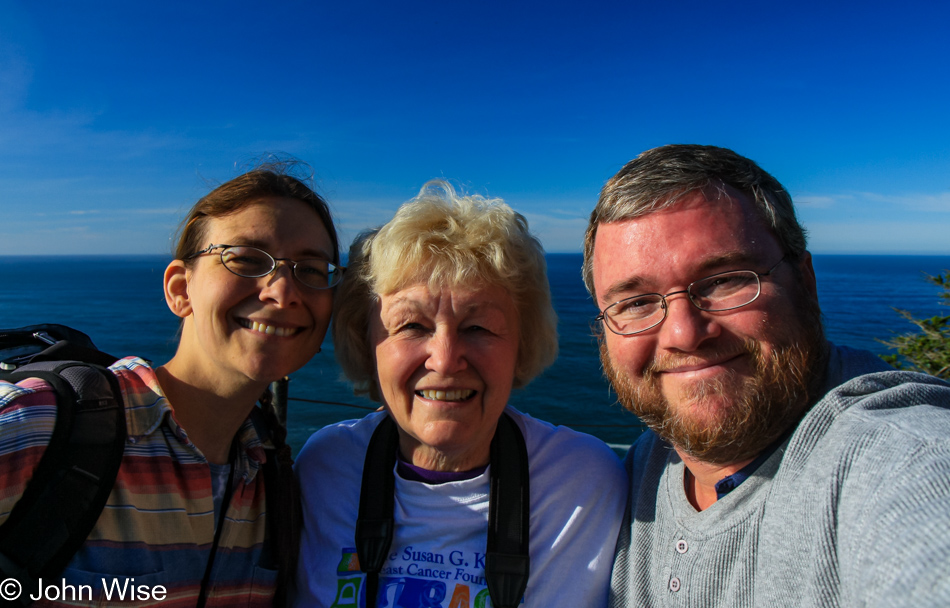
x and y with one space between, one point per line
157 527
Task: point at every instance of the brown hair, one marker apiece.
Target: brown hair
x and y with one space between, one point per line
268 180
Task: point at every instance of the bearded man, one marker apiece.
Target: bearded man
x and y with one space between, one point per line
779 469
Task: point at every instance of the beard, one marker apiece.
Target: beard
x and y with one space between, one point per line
733 417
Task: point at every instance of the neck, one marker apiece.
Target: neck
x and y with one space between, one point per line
210 411
432 459
701 479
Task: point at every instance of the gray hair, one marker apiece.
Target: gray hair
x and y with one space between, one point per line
657 179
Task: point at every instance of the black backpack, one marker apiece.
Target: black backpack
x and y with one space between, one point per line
75 476
72 482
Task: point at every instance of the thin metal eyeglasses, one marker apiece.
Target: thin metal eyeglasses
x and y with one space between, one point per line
253 263
716 293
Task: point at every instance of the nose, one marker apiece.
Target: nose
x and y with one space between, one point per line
280 286
446 353
685 327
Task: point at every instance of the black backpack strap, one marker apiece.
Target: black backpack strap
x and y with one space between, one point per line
282 500
509 508
72 481
374 524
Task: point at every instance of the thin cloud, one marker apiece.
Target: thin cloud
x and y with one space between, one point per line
892 237
917 201
558 234
930 203
62 132
822 202
172 212
352 217
156 211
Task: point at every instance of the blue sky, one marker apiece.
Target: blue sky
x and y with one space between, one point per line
116 116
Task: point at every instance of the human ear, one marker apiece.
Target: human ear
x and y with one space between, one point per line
176 289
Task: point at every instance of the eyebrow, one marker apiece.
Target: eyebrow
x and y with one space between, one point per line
304 255
403 301
707 267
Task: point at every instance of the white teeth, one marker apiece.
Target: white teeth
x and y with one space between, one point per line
270 330
456 395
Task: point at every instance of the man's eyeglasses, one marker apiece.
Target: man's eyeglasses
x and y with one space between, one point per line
716 293
253 263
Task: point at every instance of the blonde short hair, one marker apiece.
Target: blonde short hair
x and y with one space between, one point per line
445 240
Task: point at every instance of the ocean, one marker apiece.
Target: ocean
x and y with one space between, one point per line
118 302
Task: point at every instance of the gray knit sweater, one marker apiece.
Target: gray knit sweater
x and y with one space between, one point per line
853 510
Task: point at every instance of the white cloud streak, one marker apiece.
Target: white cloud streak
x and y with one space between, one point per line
938 202
898 237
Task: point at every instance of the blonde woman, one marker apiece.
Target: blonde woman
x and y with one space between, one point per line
443 312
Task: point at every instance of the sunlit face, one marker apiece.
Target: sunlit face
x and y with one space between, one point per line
245 329
716 384
445 363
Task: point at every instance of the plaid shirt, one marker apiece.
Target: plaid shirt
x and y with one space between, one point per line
158 524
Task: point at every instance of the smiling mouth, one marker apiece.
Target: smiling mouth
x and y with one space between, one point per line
696 366
270 330
454 395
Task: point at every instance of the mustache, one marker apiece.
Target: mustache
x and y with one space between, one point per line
666 361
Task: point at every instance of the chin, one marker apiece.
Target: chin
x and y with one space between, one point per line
449 438
708 395
704 412
270 372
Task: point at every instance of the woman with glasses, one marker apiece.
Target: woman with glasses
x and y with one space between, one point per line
448 496
190 519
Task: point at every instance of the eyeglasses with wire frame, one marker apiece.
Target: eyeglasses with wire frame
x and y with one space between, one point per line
716 293
253 263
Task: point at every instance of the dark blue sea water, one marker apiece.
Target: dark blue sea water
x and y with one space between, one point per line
118 301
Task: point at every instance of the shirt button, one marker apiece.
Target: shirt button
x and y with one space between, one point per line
674 584
681 546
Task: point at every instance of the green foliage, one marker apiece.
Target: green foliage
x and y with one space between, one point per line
929 350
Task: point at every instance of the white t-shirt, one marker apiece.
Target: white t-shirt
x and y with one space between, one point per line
578 492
